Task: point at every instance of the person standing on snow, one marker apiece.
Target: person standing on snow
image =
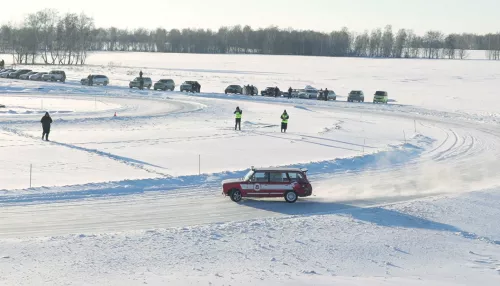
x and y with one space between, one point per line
238 114
325 93
284 121
140 74
276 91
89 80
290 92
46 121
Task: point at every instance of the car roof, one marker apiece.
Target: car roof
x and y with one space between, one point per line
278 169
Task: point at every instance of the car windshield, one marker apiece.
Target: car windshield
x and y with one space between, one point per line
355 92
380 93
234 86
248 175
189 82
165 80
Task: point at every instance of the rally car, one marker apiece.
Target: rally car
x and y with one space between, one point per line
269 183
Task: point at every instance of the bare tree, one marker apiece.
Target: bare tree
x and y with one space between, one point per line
400 43
375 43
450 45
387 42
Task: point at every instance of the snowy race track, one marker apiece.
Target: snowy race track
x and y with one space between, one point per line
139 171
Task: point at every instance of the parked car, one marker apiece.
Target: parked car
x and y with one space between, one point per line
17 73
331 95
234 89
96 80
190 86
165 84
295 93
148 83
26 76
380 97
37 76
5 73
55 76
250 90
356 95
269 183
269 91
311 92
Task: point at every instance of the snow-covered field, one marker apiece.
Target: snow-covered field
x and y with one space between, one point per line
404 193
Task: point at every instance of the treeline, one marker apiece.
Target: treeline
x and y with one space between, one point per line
48 37
51 38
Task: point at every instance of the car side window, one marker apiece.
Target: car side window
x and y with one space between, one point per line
261 177
295 176
278 177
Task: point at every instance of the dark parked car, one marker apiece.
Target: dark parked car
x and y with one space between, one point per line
269 91
190 86
356 95
165 84
235 89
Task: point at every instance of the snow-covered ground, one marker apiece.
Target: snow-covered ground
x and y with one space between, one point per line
404 193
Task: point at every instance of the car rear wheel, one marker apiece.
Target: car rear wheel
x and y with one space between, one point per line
105 83
236 195
291 197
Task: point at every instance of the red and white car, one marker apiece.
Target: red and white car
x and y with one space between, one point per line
269 183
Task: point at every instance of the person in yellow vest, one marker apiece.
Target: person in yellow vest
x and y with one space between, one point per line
238 114
284 121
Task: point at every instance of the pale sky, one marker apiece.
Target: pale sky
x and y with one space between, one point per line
449 16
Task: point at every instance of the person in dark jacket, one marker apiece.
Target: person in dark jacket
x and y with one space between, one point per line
290 92
2 64
276 91
325 94
140 74
89 80
238 112
284 121
46 121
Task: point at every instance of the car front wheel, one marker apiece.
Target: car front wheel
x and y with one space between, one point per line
236 195
291 197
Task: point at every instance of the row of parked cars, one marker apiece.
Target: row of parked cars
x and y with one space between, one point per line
162 84
27 74
308 92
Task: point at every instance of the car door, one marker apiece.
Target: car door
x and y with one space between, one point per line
259 184
278 184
